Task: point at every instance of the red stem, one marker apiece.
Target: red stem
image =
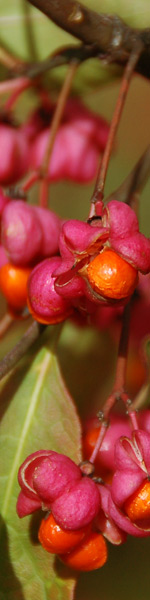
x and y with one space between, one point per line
33 178
16 86
99 187
119 383
62 98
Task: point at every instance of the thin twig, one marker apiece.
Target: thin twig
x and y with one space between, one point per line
19 192
29 31
99 187
54 128
9 60
32 70
5 323
118 391
120 377
62 56
11 359
18 85
31 180
41 173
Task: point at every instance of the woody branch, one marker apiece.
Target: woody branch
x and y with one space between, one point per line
113 39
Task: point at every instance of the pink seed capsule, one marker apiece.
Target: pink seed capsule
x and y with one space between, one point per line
43 476
26 506
119 426
53 475
134 249
27 469
124 237
44 303
77 507
50 224
21 232
14 154
78 143
121 218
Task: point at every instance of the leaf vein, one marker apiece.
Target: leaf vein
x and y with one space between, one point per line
26 427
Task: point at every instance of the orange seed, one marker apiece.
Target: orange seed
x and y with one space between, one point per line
111 276
57 540
138 505
91 554
13 284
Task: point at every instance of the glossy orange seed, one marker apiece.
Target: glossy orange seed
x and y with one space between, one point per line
55 539
111 276
91 554
13 284
137 507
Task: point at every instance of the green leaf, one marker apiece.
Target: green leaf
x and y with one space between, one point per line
36 412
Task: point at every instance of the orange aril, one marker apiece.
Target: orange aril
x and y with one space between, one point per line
57 540
137 507
91 554
111 276
13 284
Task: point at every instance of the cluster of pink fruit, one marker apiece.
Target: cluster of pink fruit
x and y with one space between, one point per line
78 266
89 271
30 234
65 268
81 138
82 511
